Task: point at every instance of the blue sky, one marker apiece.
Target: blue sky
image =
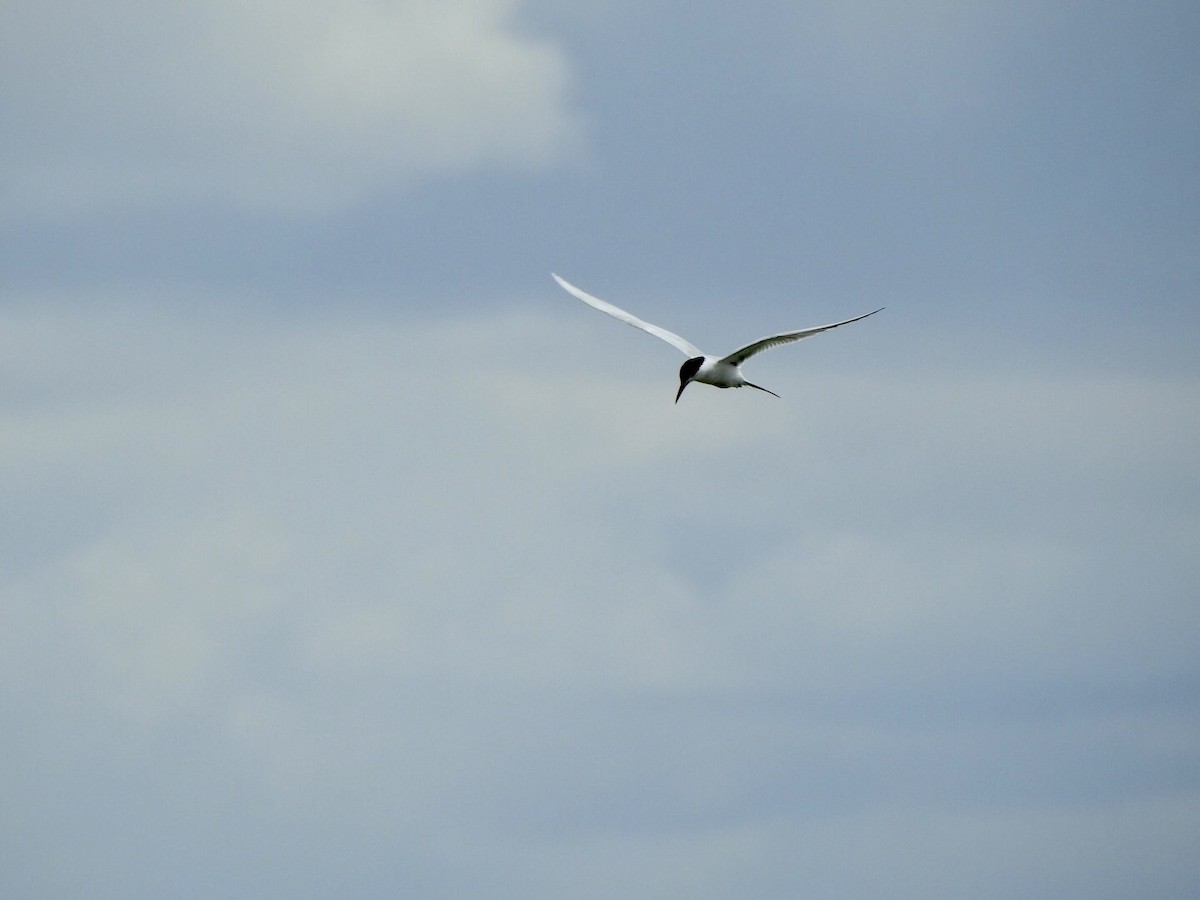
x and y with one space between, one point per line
345 553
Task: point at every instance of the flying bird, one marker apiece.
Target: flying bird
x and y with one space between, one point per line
719 371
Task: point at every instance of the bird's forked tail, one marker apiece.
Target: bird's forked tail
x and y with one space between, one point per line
772 393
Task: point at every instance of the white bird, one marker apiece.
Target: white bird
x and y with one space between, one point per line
719 371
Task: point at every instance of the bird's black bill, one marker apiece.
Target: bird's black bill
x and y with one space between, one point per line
748 384
680 391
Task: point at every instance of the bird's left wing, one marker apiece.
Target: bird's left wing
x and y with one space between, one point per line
687 348
740 355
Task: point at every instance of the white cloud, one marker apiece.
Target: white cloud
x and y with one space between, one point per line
269 104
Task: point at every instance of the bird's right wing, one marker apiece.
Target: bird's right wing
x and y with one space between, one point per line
685 347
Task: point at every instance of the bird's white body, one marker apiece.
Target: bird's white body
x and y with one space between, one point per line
719 371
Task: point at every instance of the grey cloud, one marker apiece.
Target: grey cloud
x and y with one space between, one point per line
513 623
341 553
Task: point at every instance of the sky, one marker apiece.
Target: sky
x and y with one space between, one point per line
343 553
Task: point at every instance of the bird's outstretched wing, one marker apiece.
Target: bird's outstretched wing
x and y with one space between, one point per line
685 347
740 355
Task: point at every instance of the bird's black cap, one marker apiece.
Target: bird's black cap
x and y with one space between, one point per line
687 372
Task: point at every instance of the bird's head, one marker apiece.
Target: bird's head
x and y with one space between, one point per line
687 372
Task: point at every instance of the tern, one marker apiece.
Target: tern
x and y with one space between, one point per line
719 371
